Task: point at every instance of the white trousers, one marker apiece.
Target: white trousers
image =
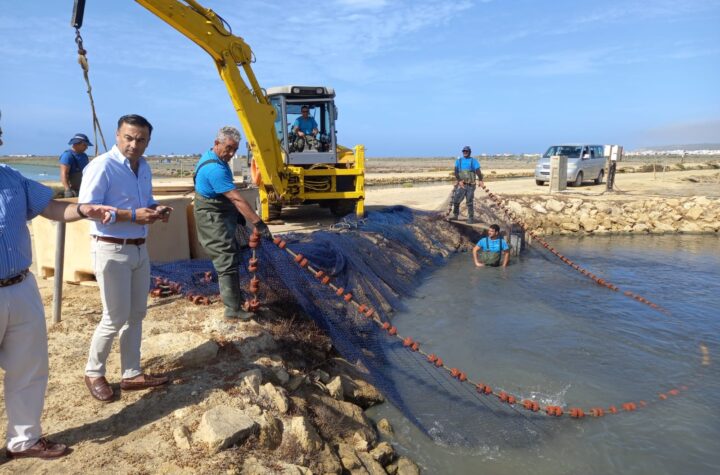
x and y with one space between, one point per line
24 357
123 272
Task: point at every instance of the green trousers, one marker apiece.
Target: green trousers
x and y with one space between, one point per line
490 258
216 222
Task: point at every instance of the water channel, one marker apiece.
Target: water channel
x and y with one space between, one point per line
539 329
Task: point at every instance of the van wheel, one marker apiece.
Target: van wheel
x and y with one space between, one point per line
599 179
539 182
578 180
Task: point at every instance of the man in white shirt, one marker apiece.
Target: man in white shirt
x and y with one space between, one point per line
122 178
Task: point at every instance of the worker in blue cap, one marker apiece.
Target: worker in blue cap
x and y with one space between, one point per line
72 163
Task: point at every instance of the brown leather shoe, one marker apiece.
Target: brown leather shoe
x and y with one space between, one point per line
43 449
142 381
100 389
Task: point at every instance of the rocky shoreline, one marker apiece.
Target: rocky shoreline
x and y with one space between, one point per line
581 216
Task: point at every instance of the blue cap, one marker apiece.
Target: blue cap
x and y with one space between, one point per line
77 138
466 148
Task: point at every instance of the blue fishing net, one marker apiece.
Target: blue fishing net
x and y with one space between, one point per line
381 260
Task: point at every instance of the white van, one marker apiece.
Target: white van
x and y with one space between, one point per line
584 163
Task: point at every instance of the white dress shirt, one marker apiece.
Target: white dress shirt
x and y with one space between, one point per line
109 180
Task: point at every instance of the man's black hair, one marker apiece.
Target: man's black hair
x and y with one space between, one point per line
136 120
495 227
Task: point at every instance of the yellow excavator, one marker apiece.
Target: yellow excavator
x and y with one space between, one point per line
287 167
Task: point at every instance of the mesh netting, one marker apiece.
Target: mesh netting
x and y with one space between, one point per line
380 259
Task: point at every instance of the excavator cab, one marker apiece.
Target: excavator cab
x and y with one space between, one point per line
305 123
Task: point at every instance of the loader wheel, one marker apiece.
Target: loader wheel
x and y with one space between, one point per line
341 208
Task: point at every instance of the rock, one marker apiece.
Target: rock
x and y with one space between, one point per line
223 426
554 205
640 228
344 418
694 213
360 442
570 226
383 453
320 375
360 392
348 457
385 428
328 462
689 227
169 468
304 433
335 388
662 227
371 465
407 467
251 380
276 396
172 350
182 437
589 224
538 208
252 466
253 341
702 200
271 431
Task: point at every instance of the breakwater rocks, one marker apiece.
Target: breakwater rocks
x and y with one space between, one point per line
658 215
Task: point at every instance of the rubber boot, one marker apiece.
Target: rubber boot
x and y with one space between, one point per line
232 297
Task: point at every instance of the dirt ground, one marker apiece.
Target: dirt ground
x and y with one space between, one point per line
123 437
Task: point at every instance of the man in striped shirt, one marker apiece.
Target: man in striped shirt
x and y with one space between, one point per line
23 336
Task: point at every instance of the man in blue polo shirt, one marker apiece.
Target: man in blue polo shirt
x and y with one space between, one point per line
72 163
491 249
305 129
23 335
219 208
467 169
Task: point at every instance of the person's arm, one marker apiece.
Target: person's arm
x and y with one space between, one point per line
69 212
506 258
475 256
296 128
142 215
246 210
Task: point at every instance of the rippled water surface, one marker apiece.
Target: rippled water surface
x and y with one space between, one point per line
540 329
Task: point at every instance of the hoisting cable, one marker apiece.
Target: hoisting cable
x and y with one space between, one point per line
515 401
76 22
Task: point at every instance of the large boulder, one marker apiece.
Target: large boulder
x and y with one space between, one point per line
223 426
300 430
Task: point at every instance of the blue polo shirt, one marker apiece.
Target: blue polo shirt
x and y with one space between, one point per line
76 161
213 179
305 125
492 245
21 200
469 163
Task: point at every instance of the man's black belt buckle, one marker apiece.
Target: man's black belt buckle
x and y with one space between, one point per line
16 279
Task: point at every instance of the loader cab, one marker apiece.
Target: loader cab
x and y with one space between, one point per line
289 103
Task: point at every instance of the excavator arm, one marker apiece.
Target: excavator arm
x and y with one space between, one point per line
209 31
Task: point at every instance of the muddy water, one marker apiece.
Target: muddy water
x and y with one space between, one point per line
538 329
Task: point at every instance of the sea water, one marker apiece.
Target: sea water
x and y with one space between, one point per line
540 329
37 172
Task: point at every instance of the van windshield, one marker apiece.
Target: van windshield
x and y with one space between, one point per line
570 151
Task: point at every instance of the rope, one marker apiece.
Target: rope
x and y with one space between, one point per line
83 62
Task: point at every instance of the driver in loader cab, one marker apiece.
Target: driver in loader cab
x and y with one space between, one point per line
219 209
305 129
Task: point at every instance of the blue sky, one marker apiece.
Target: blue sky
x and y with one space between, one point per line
413 77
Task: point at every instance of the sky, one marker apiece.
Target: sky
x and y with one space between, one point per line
412 77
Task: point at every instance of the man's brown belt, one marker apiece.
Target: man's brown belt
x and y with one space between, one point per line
136 242
16 279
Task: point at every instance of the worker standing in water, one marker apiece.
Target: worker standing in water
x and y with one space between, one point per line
219 209
491 250
467 170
